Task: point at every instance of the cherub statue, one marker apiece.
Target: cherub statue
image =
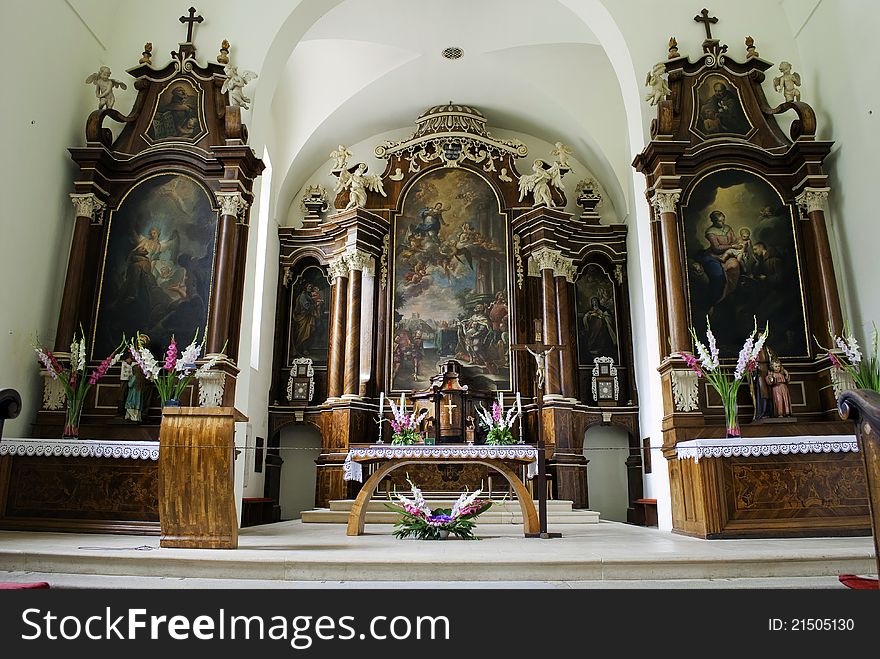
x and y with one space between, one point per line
657 83
358 182
234 84
788 83
340 156
104 86
539 181
562 153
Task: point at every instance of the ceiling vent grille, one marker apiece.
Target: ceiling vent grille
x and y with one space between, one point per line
453 52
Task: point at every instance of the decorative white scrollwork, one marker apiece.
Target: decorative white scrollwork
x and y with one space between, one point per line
212 385
53 392
297 370
604 367
812 199
685 390
232 203
81 448
666 201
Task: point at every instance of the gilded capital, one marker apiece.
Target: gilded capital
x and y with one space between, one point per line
666 201
338 267
544 258
360 260
88 205
232 203
812 199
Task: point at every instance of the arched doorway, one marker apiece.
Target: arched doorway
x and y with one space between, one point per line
298 446
609 477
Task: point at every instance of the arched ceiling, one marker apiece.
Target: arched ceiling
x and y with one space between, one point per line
369 66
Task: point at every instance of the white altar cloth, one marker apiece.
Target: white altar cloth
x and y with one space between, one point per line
353 471
758 446
80 448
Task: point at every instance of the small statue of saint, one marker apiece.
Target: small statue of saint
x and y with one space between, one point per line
778 379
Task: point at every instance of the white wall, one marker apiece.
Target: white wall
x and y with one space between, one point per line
840 82
43 112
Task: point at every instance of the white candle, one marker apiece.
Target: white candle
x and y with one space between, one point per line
518 404
381 403
402 403
501 399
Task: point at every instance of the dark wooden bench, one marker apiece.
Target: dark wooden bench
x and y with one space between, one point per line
647 511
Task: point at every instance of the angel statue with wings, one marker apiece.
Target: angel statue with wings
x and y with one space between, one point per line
358 183
659 87
234 84
539 181
104 86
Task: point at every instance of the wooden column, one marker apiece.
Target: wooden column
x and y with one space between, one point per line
232 204
567 362
338 321
812 201
551 329
353 336
86 207
665 203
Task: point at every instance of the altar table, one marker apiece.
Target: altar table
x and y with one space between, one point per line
392 457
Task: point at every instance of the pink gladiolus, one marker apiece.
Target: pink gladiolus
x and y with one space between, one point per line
835 361
496 412
171 356
693 362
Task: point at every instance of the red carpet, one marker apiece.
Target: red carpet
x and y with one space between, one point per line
859 583
5 585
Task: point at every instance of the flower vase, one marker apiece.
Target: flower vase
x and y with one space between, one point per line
171 402
732 425
442 534
72 419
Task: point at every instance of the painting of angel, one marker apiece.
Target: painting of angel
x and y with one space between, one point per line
158 263
358 182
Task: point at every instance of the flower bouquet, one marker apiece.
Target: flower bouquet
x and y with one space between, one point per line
73 377
419 521
864 372
708 366
404 426
498 423
173 375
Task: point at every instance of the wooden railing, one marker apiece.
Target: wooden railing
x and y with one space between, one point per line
862 407
10 406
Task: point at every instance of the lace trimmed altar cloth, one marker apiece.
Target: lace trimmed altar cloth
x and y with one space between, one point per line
80 448
353 470
761 446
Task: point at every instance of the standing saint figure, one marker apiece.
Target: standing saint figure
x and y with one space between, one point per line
307 311
778 379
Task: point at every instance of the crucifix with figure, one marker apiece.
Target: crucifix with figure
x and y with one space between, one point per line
540 351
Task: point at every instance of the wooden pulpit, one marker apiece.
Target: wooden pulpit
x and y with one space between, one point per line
196 477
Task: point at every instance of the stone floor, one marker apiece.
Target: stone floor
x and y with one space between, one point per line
296 555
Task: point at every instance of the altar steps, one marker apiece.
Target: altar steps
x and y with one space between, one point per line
501 512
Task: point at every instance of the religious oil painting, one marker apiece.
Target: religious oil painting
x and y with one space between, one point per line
596 316
178 113
718 108
158 264
451 283
309 316
742 262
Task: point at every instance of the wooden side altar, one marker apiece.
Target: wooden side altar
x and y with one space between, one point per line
770 487
196 464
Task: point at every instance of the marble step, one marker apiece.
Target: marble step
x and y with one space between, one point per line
492 516
378 505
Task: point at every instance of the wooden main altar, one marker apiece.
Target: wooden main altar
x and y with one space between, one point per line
420 278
